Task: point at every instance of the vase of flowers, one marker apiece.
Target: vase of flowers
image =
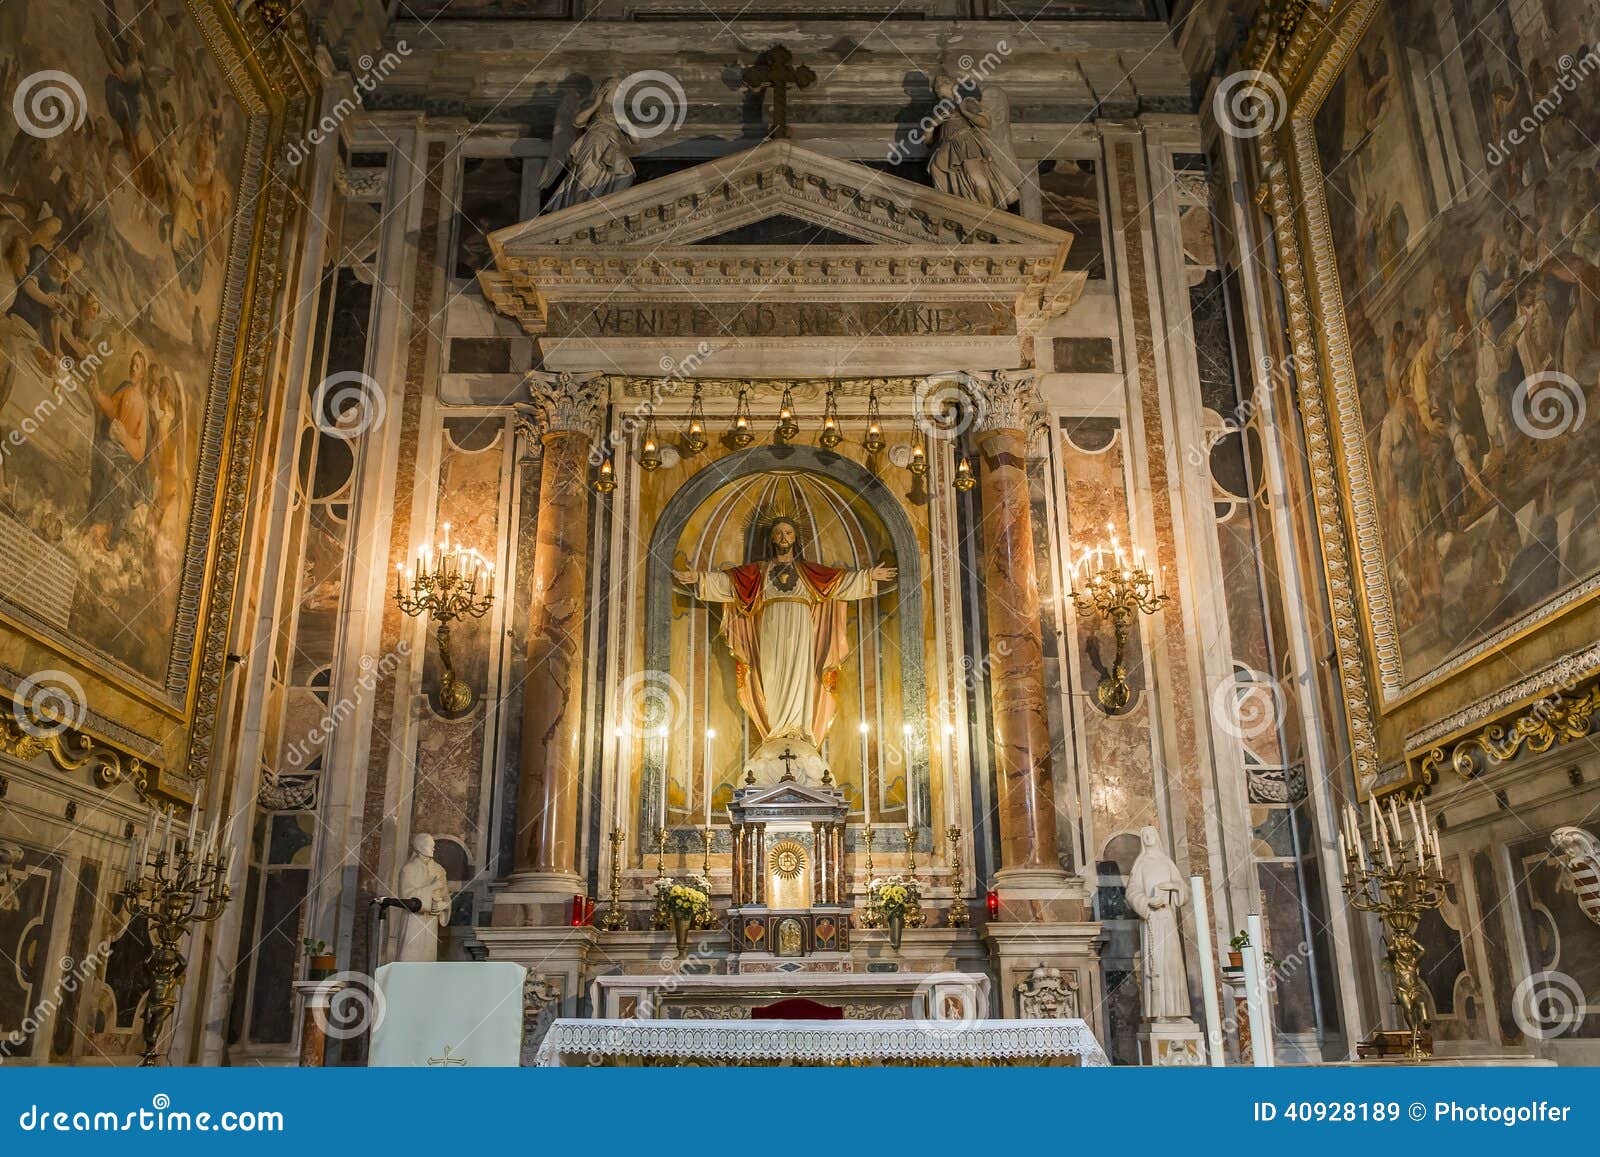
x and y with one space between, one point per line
684 905
894 898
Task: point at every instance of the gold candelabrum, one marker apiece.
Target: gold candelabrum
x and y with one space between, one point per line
1393 878
660 919
615 920
915 916
1109 582
446 586
960 916
173 883
871 917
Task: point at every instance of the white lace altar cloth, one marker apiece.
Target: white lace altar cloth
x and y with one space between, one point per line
814 1042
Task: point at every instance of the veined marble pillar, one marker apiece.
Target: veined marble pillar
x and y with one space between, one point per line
566 415
1024 795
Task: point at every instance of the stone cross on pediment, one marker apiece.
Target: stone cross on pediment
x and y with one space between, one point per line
775 69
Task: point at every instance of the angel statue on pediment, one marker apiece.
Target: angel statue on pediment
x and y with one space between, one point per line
590 147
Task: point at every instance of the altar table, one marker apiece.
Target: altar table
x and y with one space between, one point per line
813 1042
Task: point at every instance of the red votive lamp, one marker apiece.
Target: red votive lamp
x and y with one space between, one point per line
992 902
579 910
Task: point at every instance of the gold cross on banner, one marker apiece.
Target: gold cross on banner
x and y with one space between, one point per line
449 1060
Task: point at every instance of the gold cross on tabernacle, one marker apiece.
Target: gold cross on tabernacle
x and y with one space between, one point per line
788 758
775 69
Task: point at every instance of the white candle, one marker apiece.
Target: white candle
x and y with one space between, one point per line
133 851
1257 950
1208 970
616 771
866 782
194 821
710 735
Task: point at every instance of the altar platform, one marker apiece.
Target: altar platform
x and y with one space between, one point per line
617 1042
859 996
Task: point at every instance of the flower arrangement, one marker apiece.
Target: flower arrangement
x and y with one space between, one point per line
682 900
895 895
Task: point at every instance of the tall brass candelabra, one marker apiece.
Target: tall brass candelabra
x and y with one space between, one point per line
446 587
615 919
1110 583
959 917
1393 879
174 884
871 917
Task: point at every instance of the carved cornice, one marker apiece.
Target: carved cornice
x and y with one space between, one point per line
565 403
70 750
1557 718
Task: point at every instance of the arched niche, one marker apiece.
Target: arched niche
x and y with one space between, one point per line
862 513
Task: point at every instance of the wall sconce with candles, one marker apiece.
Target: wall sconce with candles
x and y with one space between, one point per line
1110 583
694 439
447 587
741 435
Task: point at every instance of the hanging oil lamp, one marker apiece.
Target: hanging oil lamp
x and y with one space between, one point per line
919 460
694 440
830 436
740 435
874 441
788 428
964 481
650 450
605 478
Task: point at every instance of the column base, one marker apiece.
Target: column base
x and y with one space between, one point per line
1171 1042
537 899
556 959
1029 895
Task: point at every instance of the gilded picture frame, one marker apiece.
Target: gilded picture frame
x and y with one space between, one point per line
1394 722
159 730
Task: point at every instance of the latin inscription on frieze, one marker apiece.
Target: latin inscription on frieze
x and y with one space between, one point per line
782 319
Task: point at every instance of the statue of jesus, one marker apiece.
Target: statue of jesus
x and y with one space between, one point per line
785 625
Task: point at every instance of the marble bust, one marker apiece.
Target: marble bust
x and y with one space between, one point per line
423 879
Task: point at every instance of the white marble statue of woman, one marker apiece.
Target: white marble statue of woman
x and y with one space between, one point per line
1156 891
973 157
423 879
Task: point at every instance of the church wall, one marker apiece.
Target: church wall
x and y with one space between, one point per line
184 278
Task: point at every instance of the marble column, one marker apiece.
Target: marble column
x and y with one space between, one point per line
565 415
1008 408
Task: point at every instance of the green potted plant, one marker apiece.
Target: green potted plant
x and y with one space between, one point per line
320 961
1236 947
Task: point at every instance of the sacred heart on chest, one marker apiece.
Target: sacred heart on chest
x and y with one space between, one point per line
785 577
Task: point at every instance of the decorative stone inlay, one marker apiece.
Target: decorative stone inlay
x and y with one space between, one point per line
566 403
1564 673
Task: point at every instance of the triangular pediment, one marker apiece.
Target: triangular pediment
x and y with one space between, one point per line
773 181
796 795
